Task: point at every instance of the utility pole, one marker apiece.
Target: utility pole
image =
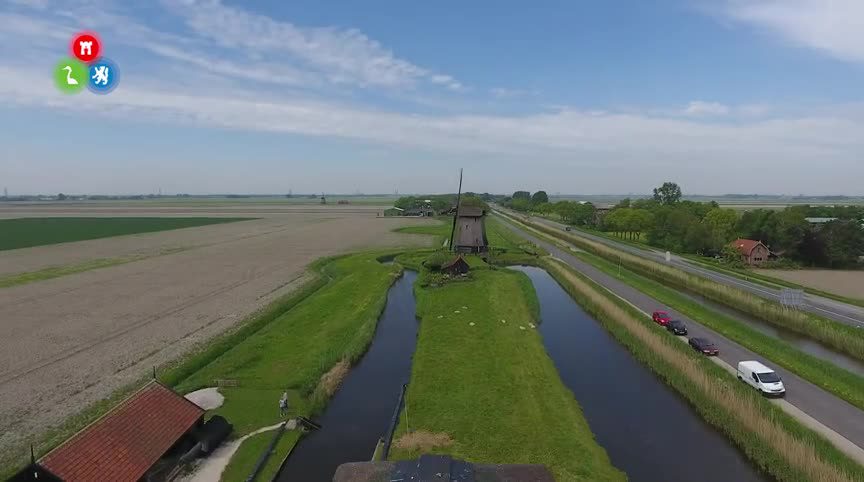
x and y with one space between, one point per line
456 215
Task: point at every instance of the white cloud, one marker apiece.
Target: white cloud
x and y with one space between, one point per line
701 108
835 27
504 93
343 55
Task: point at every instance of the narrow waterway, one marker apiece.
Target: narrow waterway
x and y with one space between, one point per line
648 431
799 341
360 411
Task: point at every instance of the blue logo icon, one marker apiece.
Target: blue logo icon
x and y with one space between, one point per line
103 76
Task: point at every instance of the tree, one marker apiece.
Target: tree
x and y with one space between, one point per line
521 195
669 193
844 242
61 197
789 230
624 203
720 224
543 208
540 197
697 239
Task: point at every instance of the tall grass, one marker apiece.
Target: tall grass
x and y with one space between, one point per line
778 444
841 337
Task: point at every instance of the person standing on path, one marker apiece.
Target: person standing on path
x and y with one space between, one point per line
283 404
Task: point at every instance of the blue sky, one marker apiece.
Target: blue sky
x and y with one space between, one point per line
602 96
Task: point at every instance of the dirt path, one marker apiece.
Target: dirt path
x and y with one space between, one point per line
70 341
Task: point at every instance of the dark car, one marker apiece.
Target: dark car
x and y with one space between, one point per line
677 327
705 346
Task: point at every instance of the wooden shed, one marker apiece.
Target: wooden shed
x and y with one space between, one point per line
456 267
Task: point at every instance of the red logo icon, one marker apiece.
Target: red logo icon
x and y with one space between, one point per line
85 47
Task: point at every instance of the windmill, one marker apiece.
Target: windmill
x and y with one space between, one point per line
456 215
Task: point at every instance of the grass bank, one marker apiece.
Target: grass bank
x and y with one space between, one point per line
244 460
29 232
440 231
778 444
838 336
830 377
296 348
484 390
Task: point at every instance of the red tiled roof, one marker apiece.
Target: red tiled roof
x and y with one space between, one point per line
745 246
128 440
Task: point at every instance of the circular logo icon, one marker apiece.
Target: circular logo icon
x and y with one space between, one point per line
86 47
103 76
70 75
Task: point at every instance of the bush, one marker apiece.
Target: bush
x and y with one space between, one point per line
437 260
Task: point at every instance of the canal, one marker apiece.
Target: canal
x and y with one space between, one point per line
648 431
360 411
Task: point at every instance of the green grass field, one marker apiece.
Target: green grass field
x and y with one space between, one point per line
244 460
29 232
491 387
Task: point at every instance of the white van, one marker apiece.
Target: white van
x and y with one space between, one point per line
761 378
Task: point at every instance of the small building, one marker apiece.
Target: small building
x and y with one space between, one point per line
456 267
142 438
394 211
752 252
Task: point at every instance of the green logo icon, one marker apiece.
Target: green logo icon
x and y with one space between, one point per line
70 76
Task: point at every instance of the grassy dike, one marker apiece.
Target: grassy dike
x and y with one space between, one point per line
830 377
300 350
841 337
488 392
778 444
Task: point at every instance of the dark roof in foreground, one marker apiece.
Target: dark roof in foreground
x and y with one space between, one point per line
440 468
127 441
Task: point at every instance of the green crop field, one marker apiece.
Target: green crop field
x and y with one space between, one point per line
29 232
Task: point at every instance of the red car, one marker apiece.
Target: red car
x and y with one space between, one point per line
661 317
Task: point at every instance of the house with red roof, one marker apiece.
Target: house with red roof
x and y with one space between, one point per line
752 252
141 437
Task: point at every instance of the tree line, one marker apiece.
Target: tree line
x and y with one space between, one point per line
671 223
443 202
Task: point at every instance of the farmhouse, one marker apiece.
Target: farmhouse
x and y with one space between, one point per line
752 252
142 438
471 237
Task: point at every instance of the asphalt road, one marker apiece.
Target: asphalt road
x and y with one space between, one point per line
836 414
838 311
